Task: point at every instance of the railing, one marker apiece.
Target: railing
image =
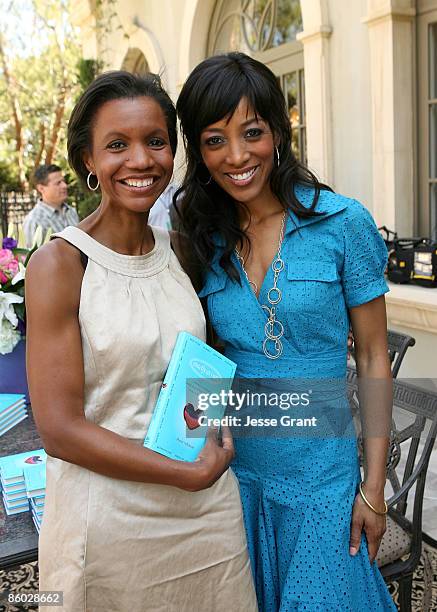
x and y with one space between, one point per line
14 206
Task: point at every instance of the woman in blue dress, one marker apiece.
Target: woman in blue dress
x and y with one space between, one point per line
289 265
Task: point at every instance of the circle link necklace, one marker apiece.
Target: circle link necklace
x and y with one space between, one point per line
273 328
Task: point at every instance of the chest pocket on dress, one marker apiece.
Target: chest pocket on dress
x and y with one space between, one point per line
311 284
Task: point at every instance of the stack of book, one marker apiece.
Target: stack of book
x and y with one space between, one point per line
35 483
14 492
12 410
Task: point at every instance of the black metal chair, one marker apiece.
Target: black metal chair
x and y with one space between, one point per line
401 547
398 345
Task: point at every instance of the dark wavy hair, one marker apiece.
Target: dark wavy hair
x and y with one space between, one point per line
213 91
113 85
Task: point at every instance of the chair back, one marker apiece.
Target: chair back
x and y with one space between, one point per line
398 345
412 438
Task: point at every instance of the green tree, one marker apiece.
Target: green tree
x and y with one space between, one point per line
39 83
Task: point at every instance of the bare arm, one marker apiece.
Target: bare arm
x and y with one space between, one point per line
373 368
369 326
56 383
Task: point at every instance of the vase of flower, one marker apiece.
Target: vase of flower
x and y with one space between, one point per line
13 260
13 371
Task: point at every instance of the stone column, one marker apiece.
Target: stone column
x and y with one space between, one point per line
391 34
315 40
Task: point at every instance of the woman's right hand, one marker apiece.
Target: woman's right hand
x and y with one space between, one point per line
212 462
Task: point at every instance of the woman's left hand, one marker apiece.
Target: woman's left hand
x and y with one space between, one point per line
374 525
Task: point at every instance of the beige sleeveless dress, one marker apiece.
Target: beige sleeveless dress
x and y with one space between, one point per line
114 545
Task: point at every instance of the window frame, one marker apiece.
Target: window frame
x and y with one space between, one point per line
424 102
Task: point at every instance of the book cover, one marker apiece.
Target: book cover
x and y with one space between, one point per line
195 369
35 479
11 466
8 400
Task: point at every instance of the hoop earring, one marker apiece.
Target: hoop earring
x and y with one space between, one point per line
88 182
278 159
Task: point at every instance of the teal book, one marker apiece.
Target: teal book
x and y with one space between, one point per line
16 507
9 400
15 495
38 510
11 413
13 488
12 419
193 395
11 466
35 479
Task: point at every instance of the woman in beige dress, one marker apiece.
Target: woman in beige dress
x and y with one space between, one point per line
124 529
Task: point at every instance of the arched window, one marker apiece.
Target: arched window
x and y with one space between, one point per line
253 25
135 62
266 30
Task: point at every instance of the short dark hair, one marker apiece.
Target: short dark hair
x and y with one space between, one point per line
113 85
41 174
212 92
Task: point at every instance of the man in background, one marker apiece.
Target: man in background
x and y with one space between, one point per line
51 210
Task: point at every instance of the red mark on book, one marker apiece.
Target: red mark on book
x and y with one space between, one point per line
191 416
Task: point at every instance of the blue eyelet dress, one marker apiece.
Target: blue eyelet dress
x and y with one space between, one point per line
298 491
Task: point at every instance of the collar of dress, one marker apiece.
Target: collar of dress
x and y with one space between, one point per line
329 203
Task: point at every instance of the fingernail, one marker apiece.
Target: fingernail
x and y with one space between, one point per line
352 551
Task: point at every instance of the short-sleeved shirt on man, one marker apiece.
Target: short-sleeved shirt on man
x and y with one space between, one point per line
48 217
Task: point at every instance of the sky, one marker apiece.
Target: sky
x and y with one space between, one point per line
18 25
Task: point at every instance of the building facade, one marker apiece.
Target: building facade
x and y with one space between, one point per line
360 80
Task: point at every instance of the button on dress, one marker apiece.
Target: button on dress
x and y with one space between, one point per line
298 489
115 545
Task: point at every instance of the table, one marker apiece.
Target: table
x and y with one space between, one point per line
18 535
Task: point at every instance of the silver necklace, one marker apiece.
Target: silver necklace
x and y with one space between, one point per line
273 329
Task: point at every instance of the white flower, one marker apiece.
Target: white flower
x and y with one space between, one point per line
9 337
6 307
37 237
19 275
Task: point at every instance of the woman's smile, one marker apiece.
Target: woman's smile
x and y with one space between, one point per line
242 178
141 185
